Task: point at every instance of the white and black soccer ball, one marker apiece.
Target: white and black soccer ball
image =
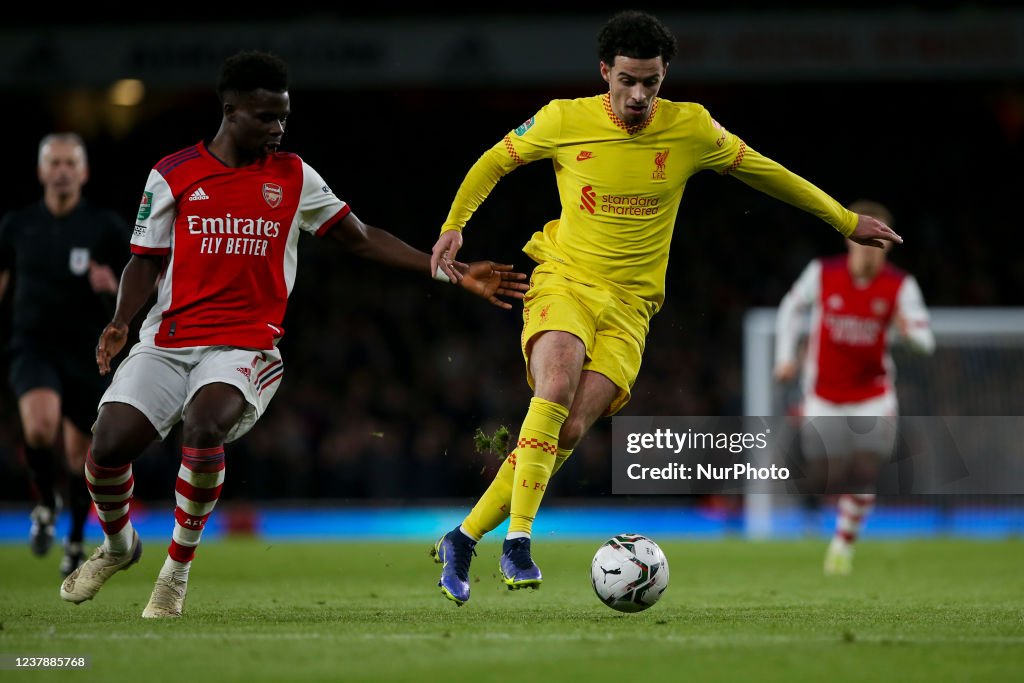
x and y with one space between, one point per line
629 572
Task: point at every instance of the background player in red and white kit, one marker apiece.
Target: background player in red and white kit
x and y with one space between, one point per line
855 300
216 234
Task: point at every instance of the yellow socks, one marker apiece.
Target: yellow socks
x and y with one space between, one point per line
536 452
493 507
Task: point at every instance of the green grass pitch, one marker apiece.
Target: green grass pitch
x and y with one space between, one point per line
935 610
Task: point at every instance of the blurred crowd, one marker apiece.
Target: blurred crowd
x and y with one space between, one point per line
388 375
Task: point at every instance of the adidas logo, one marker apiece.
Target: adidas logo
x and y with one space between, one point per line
198 195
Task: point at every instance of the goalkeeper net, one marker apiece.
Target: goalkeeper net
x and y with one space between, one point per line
977 369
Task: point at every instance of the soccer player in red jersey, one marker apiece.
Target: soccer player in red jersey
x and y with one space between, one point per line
216 236
854 300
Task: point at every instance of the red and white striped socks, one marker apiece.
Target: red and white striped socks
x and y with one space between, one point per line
200 479
111 490
853 509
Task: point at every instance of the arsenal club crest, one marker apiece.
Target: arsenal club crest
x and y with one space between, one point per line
273 194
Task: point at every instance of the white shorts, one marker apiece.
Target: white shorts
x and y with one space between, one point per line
839 429
161 382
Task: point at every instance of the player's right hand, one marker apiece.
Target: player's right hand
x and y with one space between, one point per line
443 254
102 278
785 372
870 232
112 340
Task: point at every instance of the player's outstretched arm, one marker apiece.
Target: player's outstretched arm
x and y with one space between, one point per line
489 280
870 232
775 180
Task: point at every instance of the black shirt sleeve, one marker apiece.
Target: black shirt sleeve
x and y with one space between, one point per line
6 243
116 241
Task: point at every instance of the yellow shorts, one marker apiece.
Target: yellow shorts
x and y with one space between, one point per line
613 330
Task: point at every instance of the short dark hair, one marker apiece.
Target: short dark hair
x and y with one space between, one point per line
635 34
252 70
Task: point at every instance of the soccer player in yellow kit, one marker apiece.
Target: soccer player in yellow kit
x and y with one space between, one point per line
621 162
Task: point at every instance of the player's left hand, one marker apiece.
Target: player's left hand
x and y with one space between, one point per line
491 280
871 232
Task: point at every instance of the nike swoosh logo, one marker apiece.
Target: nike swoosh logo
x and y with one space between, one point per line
583 156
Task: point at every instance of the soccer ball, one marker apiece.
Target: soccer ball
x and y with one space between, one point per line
629 572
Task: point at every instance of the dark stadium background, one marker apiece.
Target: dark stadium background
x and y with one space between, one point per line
389 374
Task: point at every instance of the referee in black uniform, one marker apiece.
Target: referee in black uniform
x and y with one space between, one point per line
62 258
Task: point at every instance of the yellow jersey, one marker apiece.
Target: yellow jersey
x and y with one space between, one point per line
620 186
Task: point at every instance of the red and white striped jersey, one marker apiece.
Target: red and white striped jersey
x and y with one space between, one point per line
847 359
230 235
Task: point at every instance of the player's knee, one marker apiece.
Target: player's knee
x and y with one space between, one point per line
864 473
816 477
204 432
109 451
40 434
557 387
76 463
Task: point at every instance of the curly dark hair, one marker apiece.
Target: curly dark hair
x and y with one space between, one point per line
252 70
635 34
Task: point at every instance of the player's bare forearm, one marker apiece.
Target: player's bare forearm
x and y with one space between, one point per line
378 245
137 282
136 286
486 279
